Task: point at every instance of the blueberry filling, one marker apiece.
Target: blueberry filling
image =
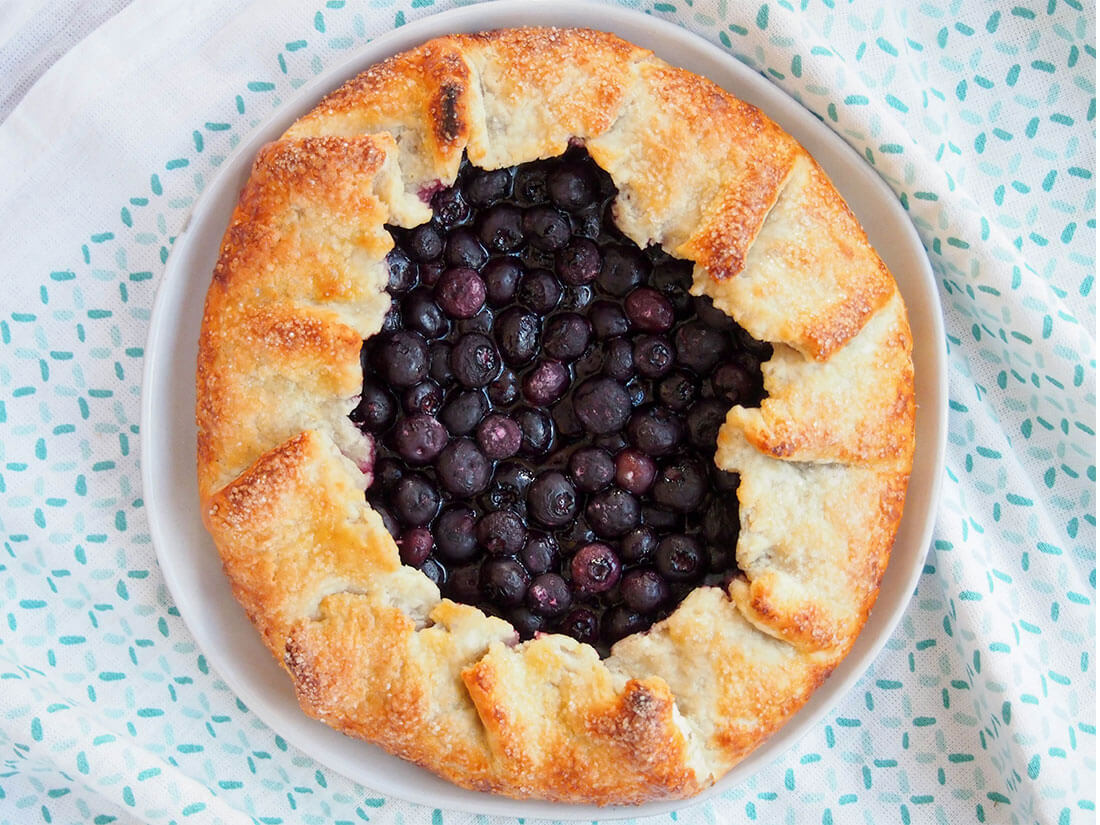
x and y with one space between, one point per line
545 399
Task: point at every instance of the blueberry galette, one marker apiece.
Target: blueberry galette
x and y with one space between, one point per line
554 416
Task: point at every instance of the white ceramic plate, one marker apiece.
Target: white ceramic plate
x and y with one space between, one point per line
190 562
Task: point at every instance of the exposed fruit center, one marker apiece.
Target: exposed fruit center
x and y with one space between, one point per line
545 399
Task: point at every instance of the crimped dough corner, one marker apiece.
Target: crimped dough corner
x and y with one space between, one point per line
824 462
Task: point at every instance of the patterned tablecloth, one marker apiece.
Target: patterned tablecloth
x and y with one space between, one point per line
980 115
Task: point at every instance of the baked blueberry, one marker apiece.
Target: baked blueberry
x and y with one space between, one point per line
504 389
538 431
681 485
655 430
486 187
525 621
419 438
474 360
565 336
591 469
589 223
545 383
703 420
415 500
502 533
517 333
425 242
699 347
424 397
576 298
618 360
462 468
591 362
430 272
582 623
450 207
415 545
387 472
503 581
601 405
552 499
638 544
460 292
652 356
673 279
501 228
677 390
644 590
680 558
546 227
619 622
608 319
540 553
571 186
721 524
454 533
649 310
595 568
481 321
392 320
423 315
732 383
508 487
624 268
463 584
722 561
565 421
439 364
529 186
403 358
710 315
549 595
376 409
402 272
464 410
539 291
613 512
501 276
635 471
499 437
579 262
464 249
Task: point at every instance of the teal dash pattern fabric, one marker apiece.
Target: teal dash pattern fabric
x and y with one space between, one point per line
980 115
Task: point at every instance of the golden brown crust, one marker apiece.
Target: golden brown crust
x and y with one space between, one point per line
371 648
423 98
541 87
697 169
811 280
734 684
857 407
561 726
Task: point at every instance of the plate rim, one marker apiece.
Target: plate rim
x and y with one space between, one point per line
780 106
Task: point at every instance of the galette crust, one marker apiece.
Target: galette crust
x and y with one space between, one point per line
824 462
